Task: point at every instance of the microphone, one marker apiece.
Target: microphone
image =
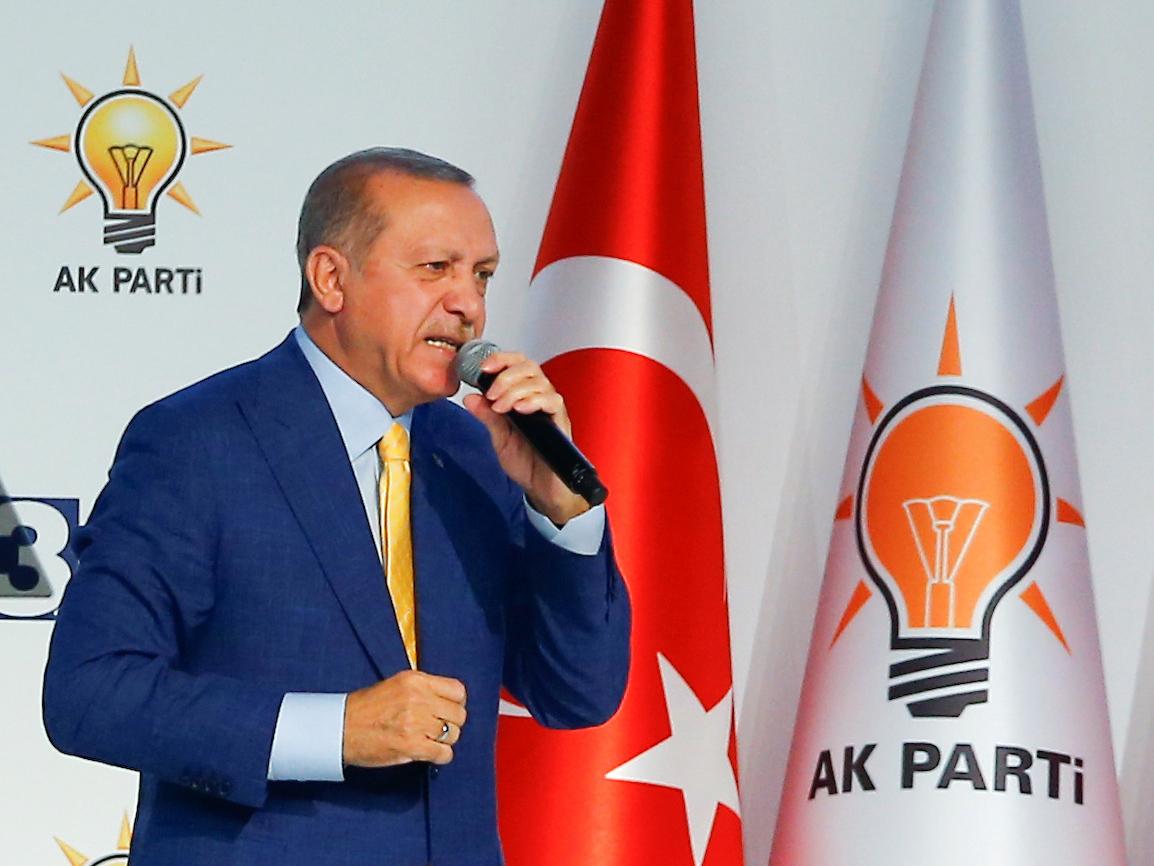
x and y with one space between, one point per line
555 448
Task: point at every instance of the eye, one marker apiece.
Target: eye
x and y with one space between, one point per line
483 275
436 267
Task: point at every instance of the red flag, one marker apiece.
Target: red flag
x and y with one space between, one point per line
620 307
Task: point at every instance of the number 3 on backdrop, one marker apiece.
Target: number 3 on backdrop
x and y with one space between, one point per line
36 558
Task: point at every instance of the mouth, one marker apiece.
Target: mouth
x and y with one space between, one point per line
445 344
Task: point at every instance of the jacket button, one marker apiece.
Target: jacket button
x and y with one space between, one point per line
434 772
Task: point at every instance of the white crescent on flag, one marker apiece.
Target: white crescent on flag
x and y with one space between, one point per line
639 311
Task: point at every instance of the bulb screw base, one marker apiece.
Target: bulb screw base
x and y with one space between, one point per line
130 233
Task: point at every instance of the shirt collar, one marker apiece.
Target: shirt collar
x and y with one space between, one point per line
361 418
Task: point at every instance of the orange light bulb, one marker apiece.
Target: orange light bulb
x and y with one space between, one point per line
952 512
130 145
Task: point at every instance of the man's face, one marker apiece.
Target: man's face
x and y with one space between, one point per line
418 292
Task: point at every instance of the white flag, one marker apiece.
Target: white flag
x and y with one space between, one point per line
953 710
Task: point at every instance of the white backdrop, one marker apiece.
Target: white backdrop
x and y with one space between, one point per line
805 111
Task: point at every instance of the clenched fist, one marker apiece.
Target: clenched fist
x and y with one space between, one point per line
402 719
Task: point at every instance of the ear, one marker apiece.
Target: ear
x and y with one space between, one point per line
327 270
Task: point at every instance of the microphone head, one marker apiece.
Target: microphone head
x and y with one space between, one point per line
469 358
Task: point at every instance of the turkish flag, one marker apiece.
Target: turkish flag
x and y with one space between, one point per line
620 309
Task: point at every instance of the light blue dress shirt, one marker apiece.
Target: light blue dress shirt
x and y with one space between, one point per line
308 741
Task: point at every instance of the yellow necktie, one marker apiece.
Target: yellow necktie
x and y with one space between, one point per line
396 533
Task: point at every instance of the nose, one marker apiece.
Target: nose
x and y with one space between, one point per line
466 300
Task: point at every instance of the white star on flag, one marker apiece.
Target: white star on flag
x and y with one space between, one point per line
694 758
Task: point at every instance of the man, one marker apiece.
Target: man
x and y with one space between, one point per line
296 641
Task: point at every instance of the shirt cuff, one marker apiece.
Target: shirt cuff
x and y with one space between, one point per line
582 534
308 743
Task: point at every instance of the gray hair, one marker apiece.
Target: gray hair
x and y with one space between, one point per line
335 210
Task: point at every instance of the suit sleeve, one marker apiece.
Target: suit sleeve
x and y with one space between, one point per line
568 644
115 688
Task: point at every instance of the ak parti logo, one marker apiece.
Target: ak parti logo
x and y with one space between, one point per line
952 509
131 145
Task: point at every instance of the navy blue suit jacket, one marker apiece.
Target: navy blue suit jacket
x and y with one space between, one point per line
228 561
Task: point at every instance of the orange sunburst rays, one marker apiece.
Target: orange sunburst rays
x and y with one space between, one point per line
123 844
131 79
1038 410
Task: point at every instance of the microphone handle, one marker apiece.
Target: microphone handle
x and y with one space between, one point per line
556 449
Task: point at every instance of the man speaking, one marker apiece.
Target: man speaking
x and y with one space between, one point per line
309 576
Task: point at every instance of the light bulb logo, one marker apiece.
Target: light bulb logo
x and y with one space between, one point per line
951 511
952 508
131 146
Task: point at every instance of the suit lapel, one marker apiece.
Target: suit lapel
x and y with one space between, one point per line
296 430
437 565
432 561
